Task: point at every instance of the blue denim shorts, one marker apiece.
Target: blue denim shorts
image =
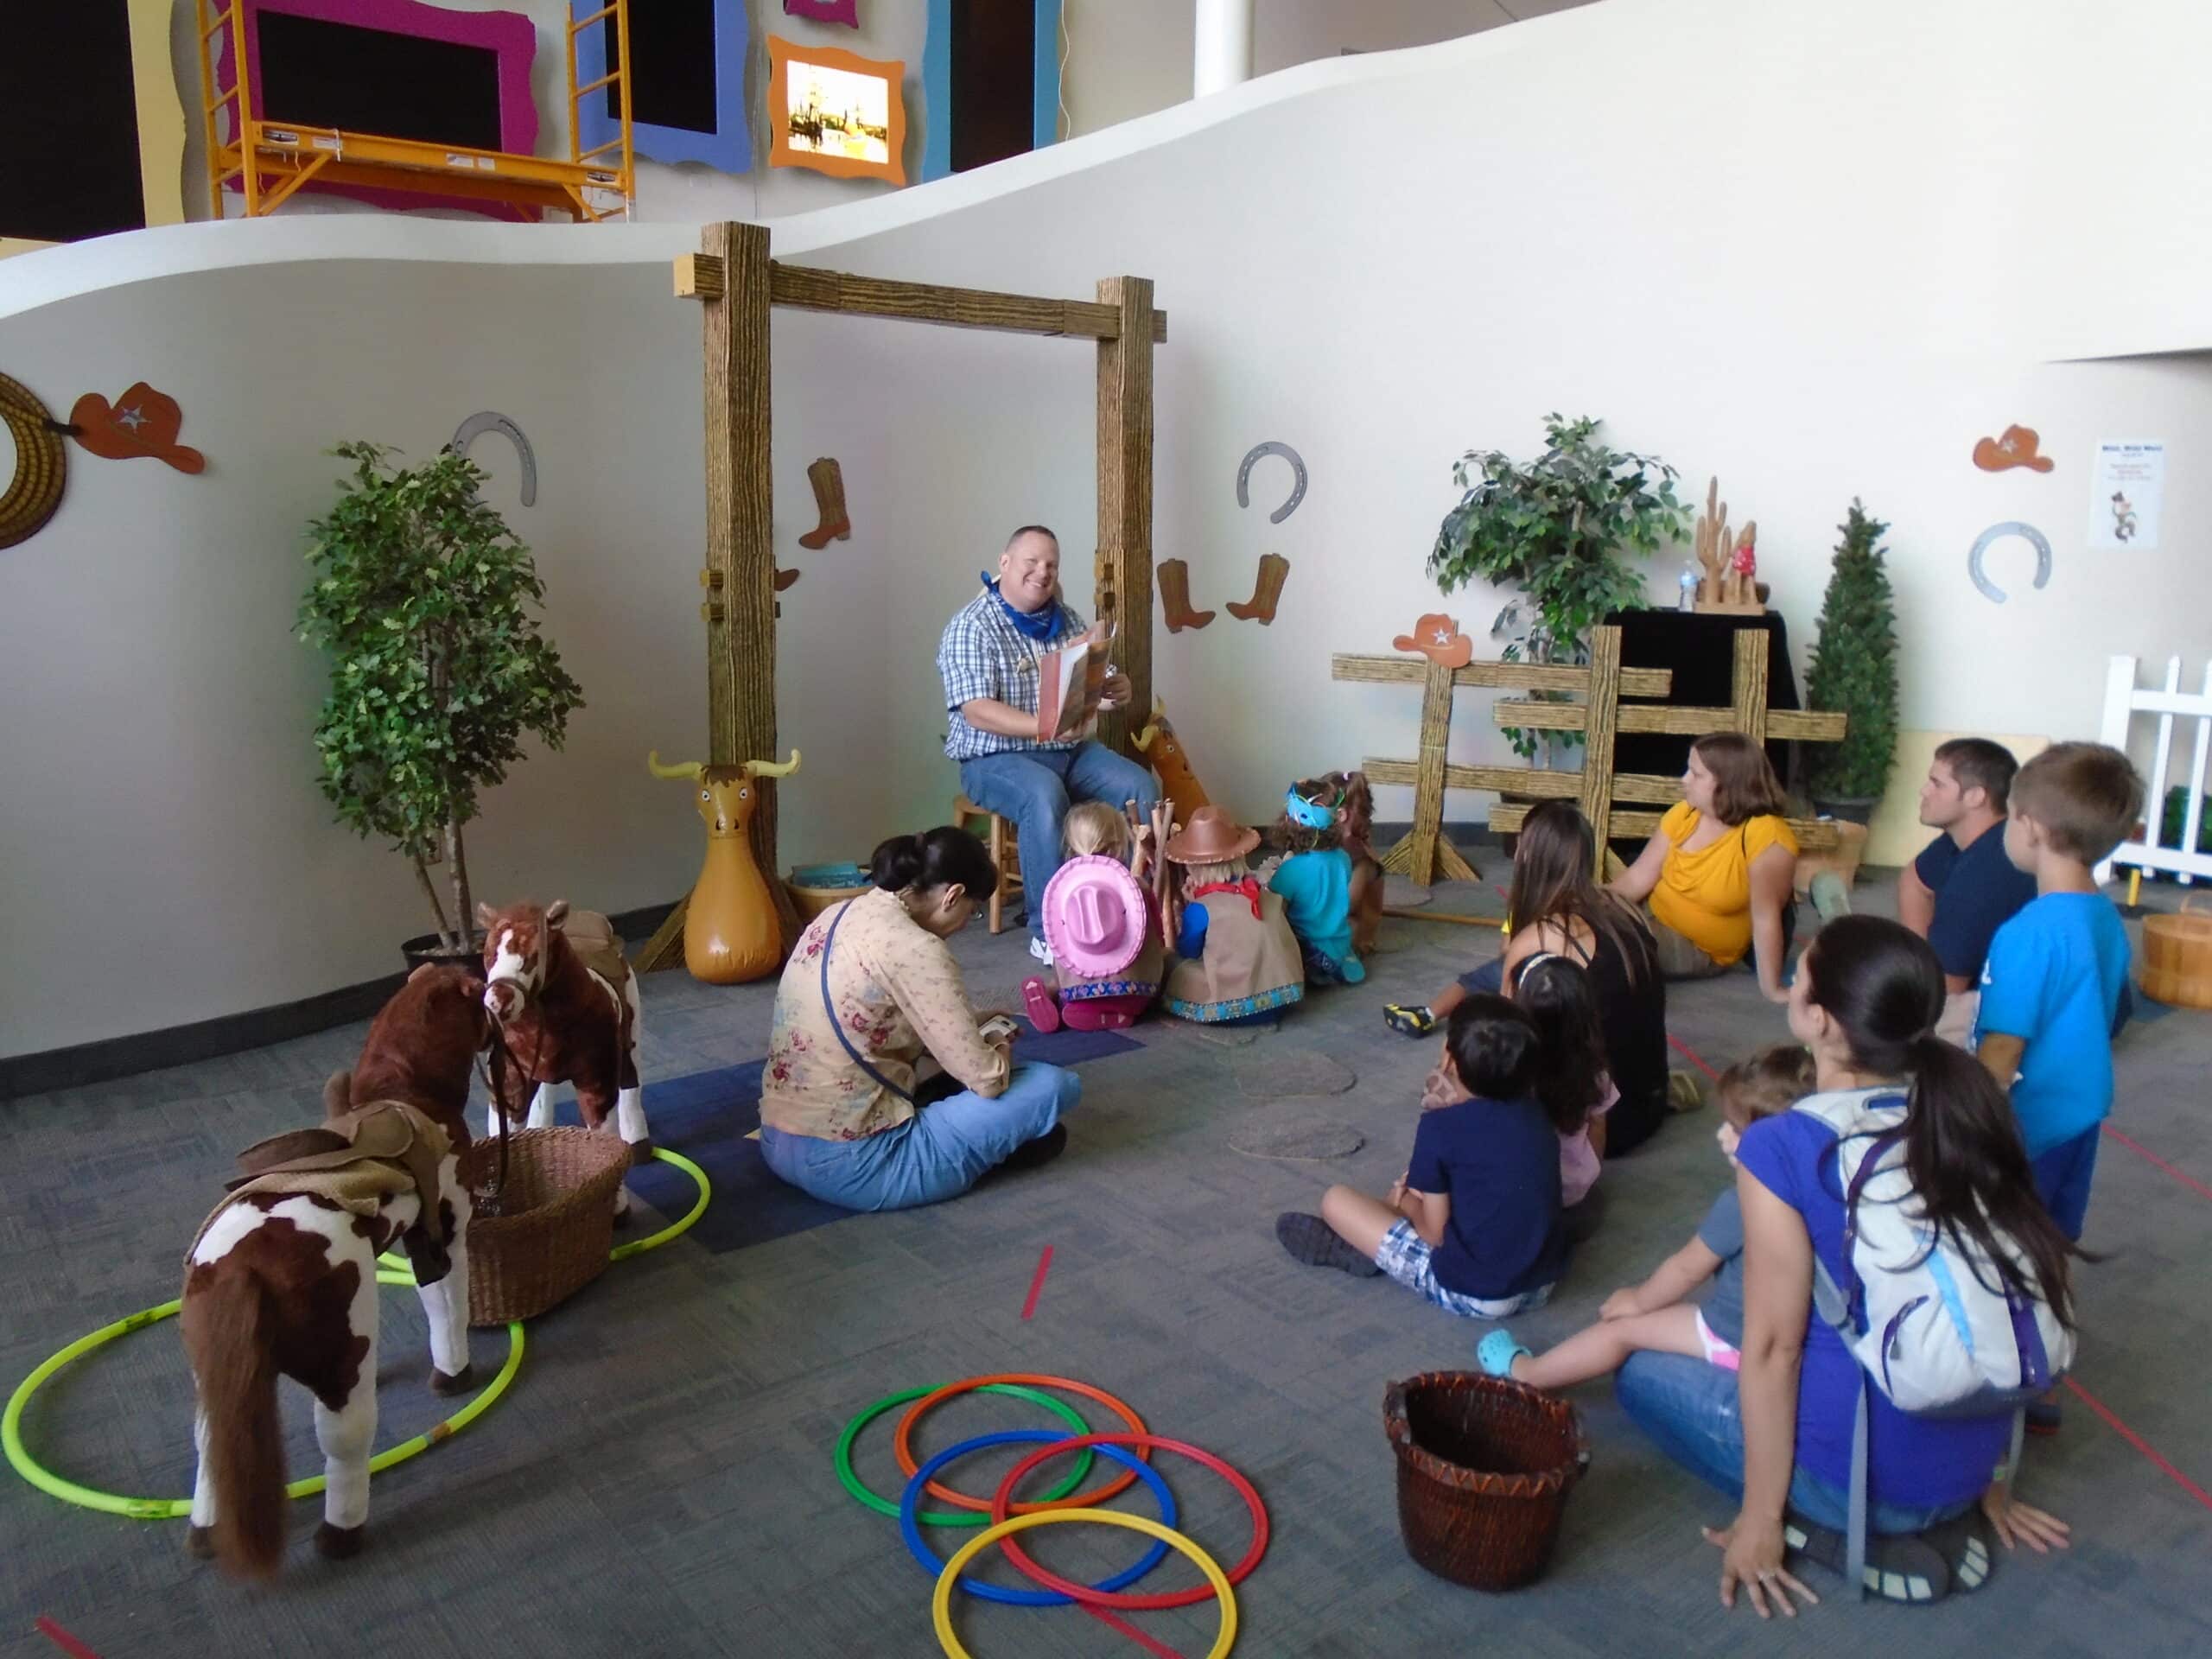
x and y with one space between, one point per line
1411 1262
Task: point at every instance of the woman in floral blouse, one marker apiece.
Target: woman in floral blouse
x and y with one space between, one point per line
870 992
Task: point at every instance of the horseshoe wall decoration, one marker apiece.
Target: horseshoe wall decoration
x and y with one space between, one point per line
1244 478
2033 536
42 464
492 421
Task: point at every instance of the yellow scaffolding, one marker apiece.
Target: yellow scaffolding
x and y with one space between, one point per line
272 160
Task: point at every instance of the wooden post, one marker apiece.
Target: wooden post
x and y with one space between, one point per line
1123 573
1605 705
1754 646
740 553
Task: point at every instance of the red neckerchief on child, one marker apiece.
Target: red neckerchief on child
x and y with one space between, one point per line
1250 887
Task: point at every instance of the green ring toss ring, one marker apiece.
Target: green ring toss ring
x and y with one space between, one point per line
674 1230
843 1457
165 1508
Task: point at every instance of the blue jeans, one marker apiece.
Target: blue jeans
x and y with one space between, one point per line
938 1153
1689 1409
1033 788
1489 980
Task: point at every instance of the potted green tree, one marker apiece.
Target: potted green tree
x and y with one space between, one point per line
423 600
1558 528
1854 672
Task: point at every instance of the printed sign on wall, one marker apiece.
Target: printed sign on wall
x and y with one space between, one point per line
2126 489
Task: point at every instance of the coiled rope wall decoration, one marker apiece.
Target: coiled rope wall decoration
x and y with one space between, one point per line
42 464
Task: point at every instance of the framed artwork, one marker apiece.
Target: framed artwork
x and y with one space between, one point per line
90 80
990 82
847 12
836 111
397 68
687 93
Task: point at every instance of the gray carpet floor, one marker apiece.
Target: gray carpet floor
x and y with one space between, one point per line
658 1480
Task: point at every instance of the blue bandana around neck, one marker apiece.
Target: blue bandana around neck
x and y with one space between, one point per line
1039 626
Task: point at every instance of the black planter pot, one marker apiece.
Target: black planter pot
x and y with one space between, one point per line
426 948
1851 808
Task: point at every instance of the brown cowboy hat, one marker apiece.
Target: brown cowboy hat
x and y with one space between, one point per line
2016 448
1211 837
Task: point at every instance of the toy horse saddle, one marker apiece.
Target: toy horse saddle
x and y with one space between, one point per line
597 946
357 1159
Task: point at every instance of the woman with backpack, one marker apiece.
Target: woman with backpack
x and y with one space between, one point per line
1916 1129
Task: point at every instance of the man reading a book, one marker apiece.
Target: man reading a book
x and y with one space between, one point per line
995 654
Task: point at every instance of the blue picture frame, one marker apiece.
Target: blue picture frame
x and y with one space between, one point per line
728 148
936 85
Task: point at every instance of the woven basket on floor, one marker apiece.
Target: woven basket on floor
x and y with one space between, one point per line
555 1223
1484 1466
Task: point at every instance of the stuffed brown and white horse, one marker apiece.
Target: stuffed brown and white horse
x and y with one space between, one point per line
556 979
282 1278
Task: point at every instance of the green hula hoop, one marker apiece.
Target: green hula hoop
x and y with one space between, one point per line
843 1455
165 1508
667 1235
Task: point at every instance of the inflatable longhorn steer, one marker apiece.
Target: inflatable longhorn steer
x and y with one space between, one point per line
730 931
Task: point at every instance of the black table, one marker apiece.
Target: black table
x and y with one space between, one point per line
1699 648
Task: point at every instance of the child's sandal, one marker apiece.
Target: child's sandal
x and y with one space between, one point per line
1497 1351
1409 1019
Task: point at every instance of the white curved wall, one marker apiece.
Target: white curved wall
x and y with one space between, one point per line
1817 254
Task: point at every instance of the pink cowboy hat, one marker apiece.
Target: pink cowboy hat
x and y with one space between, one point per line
1094 916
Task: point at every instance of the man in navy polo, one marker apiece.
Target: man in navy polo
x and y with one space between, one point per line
1963 888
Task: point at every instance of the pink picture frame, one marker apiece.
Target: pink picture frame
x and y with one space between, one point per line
847 12
509 35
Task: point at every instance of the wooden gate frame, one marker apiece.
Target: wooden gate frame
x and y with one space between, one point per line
735 282
1600 717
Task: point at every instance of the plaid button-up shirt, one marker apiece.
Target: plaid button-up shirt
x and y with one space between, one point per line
984 655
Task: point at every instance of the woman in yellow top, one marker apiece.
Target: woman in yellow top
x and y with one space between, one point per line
1717 878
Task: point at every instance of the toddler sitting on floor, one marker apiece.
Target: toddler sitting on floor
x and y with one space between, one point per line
1653 1316
1473 1225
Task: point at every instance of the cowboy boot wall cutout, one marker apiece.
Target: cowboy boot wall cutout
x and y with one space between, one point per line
1273 570
1175 597
784 578
830 496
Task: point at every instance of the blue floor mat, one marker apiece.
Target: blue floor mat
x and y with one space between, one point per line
708 1115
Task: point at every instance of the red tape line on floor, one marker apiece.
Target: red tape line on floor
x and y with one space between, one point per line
2145 1152
1037 1284
2140 1444
1691 1055
61 1639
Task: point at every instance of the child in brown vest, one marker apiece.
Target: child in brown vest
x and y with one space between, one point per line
1237 958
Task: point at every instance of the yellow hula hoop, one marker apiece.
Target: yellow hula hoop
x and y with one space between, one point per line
669 1234
164 1509
941 1602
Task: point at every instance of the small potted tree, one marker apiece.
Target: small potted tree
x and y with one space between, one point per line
423 601
1558 528
1854 672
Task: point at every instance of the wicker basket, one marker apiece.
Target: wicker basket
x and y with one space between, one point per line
554 1221
2177 958
1484 1466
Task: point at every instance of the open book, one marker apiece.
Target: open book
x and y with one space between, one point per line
1069 679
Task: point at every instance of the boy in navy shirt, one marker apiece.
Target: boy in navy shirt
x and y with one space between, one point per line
1473 1225
1962 888
2051 988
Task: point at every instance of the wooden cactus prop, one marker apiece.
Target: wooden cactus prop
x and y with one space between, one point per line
1728 564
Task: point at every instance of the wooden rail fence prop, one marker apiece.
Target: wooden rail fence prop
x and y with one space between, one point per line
1600 717
736 282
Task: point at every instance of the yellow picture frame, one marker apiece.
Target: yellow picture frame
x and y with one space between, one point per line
785 151
160 121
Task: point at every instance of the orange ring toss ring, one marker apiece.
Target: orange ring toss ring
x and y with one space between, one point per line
902 1443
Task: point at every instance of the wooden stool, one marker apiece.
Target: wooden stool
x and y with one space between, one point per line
1006 857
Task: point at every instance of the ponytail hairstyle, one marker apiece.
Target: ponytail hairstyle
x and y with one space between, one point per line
1883 986
935 858
1310 818
1563 1005
1093 828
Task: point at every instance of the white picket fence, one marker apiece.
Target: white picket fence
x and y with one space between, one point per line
2124 701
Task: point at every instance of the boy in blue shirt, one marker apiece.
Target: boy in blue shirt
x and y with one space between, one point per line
2052 988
